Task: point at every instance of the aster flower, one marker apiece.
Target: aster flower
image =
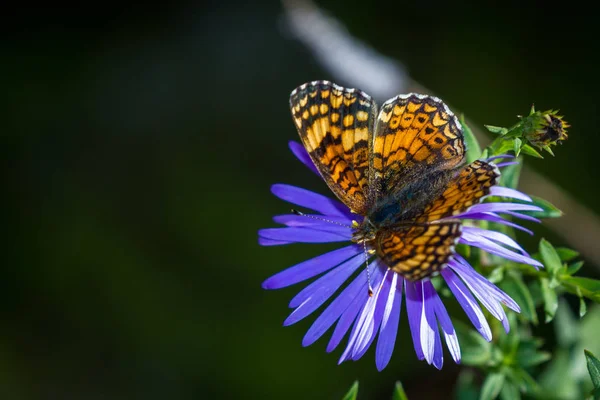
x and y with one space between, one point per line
376 318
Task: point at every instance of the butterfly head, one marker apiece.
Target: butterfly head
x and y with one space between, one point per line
364 232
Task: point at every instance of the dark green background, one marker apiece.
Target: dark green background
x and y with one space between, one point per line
138 153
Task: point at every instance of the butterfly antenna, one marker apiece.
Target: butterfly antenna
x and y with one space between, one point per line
368 273
320 219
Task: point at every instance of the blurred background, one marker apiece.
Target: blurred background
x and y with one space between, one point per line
139 149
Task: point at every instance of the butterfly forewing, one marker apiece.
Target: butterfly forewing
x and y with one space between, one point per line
415 135
336 125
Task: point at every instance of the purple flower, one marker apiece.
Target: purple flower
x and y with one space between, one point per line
352 309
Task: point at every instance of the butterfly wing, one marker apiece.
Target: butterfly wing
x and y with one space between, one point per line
417 251
421 247
336 126
472 184
415 135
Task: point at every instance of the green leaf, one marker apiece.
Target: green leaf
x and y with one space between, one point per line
510 392
550 299
528 355
582 307
566 254
514 286
523 380
517 146
399 393
549 210
573 268
473 148
588 287
558 378
475 350
496 129
530 151
492 386
593 366
501 146
548 149
566 326
550 258
352 393
510 175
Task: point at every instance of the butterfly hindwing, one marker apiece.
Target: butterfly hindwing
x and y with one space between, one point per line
336 125
472 183
418 250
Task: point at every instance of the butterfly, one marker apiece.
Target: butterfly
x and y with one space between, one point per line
401 168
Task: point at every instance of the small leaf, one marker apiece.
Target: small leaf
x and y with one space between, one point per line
530 151
352 393
517 146
550 257
588 287
492 386
566 254
549 150
473 148
582 307
550 299
496 129
548 209
593 366
399 393
514 286
523 380
475 350
510 392
573 268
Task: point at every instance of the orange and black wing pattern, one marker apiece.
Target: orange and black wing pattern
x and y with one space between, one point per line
414 135
336 127
473 182
418 251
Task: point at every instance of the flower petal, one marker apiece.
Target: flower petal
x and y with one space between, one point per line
349 316
508 192
331 281
310 268
473 232
447 327
303 235
467 302
270 242
428 323
499 207
314 221
389 324
335 310
493 248
414 304
302 155
306 198
499 220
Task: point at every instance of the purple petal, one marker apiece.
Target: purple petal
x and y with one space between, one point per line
506 164
467 302
447 328
474 233
306 198
438 353
303 235
495 218
351 313
270 242
500 156
508 192
331 280
493 248
505 322
373 319
314 221
389 324
414 304
310 268
499 207
522 216
335 310
428 322
302 155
